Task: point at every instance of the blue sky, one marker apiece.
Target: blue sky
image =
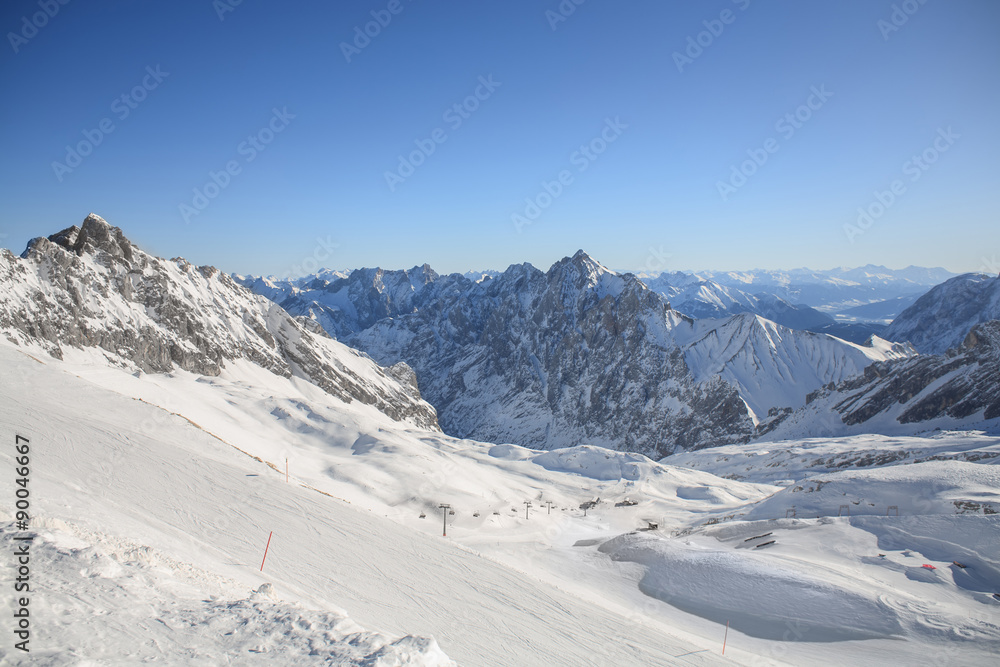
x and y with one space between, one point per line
309 129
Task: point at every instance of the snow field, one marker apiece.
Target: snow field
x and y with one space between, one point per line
172 487
502 589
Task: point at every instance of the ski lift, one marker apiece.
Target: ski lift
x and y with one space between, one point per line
451 512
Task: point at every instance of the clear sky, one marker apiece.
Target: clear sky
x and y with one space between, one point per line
691 159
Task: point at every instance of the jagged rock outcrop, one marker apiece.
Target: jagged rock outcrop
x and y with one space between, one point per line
574 355
344 305
90 287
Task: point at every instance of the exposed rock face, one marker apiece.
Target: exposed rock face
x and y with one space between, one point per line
575 355
940 319
346 305
960 386
90 287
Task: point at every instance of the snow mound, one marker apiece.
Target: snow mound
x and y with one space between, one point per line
758 595
597 463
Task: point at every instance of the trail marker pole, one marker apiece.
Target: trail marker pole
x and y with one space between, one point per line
444 529
286 471
265 550
724 638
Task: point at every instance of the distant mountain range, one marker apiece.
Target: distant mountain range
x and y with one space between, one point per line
577 354
852 304
580 353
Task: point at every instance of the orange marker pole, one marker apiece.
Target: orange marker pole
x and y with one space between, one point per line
723 639
286 471
265 551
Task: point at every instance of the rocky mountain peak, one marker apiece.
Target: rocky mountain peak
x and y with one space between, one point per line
585 262
421 275
69 291
580 271
97 237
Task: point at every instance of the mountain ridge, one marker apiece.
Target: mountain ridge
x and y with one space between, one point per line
88 286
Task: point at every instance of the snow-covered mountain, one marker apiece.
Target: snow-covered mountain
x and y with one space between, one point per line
158 482
346 304
574 355
89 287
578 354
942 317
958 389
774 367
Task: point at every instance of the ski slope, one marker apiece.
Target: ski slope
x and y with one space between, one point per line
111 465
163 488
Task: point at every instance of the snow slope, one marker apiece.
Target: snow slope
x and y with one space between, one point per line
942 317
773 366
104 463
124 475
107 600
873 577
956 390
